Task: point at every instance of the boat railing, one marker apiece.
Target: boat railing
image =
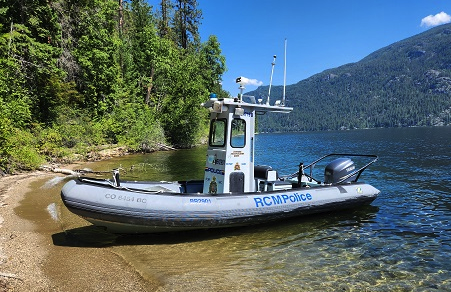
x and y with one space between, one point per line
114 184
357 173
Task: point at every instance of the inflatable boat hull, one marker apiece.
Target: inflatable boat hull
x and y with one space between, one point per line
150 207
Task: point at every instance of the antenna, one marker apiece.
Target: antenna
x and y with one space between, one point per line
270 80
284 72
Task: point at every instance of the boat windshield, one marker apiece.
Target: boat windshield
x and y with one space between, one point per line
218 133
238 133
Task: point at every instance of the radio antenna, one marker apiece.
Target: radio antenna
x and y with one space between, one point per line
284 72
270 80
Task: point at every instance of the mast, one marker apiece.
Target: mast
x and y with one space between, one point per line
270 80
284 72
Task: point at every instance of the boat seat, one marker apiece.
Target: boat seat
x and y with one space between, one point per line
192 186
279 185
265 172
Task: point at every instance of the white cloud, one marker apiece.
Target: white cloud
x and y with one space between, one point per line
247 81
433 20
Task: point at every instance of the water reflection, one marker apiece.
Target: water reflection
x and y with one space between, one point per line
166 165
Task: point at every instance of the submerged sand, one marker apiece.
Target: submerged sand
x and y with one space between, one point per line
30 261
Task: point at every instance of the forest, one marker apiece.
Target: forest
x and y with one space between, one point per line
79 74
406 84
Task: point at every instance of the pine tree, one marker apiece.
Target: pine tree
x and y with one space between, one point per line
186 23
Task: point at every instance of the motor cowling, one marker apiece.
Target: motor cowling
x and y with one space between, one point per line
338 169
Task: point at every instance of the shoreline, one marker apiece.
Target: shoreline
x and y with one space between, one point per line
21 249
30 261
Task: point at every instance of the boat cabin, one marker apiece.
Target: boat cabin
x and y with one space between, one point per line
230 156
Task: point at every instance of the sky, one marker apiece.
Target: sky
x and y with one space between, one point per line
320 34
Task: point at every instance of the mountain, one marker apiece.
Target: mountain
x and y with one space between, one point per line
404 84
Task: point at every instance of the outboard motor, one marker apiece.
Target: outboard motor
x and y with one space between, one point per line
338 169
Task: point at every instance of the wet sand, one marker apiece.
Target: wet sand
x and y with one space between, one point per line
31 261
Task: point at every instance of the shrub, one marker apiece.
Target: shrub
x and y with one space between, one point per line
135 127
18 151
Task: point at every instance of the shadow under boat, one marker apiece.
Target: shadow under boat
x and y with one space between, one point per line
94 236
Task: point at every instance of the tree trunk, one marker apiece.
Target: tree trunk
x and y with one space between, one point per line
149 86
121 16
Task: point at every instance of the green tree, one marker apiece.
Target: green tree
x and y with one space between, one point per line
213 65
186 23
166 10
144 42
98 56
75 74
182 117
33 44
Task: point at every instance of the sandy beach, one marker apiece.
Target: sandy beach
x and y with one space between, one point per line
30 261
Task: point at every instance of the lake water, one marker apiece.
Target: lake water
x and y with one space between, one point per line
401 242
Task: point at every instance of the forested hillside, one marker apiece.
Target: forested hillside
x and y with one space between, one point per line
405 84
78 74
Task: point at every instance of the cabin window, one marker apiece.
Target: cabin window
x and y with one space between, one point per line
218 133
238 133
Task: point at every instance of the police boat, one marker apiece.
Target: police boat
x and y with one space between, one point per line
233 192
